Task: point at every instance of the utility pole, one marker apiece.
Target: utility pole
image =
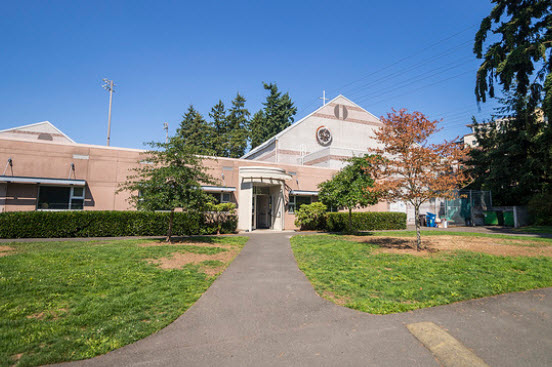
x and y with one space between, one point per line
108 85
324 99
166 128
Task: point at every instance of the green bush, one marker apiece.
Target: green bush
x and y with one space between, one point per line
540 209
45 224
366 221
221 216
311 216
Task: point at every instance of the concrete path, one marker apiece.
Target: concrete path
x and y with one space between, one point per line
262 311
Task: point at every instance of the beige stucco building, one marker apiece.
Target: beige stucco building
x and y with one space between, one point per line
336 131
44 169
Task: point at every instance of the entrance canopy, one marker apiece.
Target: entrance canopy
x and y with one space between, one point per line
262 197
263 175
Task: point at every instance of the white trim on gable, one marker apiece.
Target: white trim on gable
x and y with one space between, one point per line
348 100
287 129
40 123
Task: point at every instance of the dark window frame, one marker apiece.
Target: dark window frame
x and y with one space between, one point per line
73 201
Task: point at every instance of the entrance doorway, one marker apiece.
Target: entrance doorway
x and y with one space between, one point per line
261 214
262 198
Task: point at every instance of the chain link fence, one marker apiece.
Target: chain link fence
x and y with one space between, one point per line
467 209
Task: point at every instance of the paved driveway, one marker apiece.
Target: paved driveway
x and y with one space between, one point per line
262 311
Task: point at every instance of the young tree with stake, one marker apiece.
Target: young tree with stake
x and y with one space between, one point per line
171 180
408 168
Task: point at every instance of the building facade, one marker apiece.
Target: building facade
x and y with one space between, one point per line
325 138
44 169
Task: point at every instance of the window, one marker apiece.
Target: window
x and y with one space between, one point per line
296 201
221 197
77 198
261 190
60 198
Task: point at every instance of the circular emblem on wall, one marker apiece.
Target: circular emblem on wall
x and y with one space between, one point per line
323 135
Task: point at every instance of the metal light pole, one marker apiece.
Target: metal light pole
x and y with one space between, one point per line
108 85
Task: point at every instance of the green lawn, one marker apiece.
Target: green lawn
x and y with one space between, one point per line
351 274
65 301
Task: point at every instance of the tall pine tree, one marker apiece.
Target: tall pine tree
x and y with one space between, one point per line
257 129
237 123
514 159
220 130
276 115
196 133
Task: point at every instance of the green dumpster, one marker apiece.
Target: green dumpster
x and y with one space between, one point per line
491 218
509 218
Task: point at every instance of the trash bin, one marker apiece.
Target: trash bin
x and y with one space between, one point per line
491 218
508 218
500 217
430 217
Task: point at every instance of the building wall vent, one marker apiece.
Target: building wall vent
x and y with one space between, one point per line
45 136
341 112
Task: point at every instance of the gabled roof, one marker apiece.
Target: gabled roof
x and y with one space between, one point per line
292 126
43 127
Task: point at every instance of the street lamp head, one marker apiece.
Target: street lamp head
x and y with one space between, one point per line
108 84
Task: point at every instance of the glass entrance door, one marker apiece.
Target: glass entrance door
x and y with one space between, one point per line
263 216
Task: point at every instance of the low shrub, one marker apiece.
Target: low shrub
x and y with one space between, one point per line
45 224
311 216
540 209
222 215
365 221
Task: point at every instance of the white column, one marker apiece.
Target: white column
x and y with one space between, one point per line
279 208
245 206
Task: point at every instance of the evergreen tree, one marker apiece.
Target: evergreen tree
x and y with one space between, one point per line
276 115
510 159
237 123
514 159
196 132
220 130
257 129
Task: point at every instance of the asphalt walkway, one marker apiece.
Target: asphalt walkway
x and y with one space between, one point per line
262 311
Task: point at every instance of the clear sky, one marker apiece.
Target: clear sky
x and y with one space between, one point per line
166 55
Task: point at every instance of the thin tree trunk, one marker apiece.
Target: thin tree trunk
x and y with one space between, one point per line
350 220
417 221
171 219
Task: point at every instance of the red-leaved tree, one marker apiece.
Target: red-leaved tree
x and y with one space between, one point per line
408 168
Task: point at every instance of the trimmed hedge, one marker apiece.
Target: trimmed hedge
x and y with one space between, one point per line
46 224
366 221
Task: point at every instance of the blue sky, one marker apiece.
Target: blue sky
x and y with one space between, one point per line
166 55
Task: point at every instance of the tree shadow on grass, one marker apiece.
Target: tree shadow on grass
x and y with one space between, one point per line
191 239
396 243
359 234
